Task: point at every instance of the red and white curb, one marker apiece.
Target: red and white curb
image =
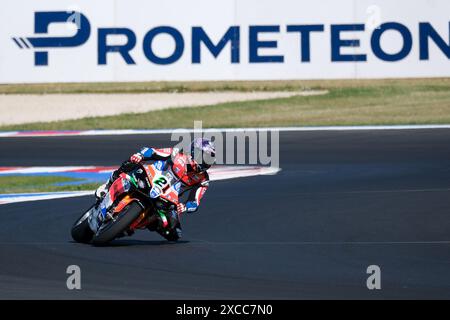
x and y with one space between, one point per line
215 174
15 134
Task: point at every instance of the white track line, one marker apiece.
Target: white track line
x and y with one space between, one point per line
225 174
219 173
43 196
30 170
17 134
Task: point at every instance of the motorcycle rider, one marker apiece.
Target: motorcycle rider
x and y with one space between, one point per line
195 181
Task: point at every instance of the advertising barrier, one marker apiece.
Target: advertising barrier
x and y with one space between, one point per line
132 40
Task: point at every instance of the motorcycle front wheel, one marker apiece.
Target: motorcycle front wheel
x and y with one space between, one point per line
111 229
81 232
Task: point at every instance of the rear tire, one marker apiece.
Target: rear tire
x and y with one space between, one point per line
112 229
81 232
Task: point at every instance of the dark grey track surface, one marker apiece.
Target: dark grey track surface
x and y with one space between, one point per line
343 201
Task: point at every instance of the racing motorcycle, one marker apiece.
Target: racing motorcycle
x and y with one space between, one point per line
141 198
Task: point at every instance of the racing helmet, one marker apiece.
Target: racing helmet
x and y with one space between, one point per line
203 153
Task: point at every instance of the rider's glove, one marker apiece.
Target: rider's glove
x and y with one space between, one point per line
191 206
181 208
136 158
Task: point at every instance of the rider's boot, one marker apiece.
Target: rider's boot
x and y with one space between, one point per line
173 232
103 189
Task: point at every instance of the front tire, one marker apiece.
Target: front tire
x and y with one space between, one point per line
112 229
81 232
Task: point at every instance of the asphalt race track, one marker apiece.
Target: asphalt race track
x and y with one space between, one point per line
343 201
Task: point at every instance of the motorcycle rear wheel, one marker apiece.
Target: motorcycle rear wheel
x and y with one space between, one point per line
112 229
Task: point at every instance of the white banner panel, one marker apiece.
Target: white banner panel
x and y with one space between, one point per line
133 40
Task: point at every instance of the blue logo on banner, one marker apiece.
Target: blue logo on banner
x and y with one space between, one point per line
42 42
42 21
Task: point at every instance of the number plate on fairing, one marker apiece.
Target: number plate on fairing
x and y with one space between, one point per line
162 185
